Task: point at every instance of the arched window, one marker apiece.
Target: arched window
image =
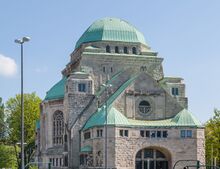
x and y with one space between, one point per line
58 127
134 50
108 49
126 50
116 49
150 159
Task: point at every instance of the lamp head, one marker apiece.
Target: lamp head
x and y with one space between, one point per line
26 39
21 41
18 41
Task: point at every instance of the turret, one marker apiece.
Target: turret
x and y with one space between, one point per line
78 92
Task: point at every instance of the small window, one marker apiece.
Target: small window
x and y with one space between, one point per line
165 134
116 49
103 69
60 161
142 133
108 49
143 68
82 87
186 133
121 133
158 134
87 135
66 160
147 133
99 132
182 134
111 69
134 50
53 162
126 133
153 134
189 133
175 91
56 161
126 50
65 138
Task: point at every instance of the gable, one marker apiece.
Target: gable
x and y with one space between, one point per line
145 88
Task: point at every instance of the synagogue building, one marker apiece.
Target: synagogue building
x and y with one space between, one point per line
114 107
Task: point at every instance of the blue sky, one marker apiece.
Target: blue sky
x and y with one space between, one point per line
185 33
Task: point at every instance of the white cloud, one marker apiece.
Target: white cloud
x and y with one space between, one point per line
8 66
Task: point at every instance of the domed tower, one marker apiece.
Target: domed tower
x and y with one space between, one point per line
111 45
114 86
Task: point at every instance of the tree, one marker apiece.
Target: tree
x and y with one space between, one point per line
212 135
7 157
2 120
31 114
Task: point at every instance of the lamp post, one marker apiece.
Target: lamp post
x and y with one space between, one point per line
107 86
21 42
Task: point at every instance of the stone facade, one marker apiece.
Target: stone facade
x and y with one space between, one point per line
148 125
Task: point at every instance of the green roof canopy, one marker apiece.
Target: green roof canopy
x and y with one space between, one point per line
57 91
114 118
111 29
182 119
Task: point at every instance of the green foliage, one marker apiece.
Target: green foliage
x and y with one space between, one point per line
31 114
7 157
212 135
2 120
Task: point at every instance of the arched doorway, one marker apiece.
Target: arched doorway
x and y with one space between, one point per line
150 158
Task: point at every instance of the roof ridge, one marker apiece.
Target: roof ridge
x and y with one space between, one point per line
110 100
98 93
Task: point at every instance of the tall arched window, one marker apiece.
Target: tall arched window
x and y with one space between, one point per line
134 50
108 49
116 49
125 49
58 127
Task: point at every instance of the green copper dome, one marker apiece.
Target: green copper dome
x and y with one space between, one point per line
111 29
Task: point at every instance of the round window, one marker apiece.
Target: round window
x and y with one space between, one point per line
144 107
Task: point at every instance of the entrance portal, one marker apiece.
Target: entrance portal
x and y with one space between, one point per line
150 159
